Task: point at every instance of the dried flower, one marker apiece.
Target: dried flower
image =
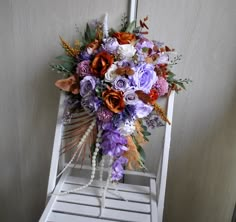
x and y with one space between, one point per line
68 85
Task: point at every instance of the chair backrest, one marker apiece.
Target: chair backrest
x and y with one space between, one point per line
56 146
58 162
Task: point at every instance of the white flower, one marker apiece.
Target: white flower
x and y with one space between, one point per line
110 75
126 128
126 51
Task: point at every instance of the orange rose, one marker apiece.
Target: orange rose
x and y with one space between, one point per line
124 37
114 100
101 63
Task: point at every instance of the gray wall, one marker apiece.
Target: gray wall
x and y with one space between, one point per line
28 99
201 184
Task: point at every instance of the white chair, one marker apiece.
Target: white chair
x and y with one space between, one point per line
143 203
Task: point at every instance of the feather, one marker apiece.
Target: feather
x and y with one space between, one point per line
132 154
79 135
161 113
105 26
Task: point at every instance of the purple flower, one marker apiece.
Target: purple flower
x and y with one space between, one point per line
158 44
125 63
110 45
118 169
87 84
144 77
126 127
163 59
90 103
144 43
143 109
104 114
113 143
130 97
84 55
83 68
162 86
121 83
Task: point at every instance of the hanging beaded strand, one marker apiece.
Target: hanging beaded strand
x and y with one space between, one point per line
101 169
93 168
82 141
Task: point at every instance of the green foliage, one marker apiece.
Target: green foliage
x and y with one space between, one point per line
111 31
175 60
130 27
145 131
59 68
140 150
89 34
67 65
124 23
66 58
180 82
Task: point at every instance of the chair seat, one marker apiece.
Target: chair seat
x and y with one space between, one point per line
124 202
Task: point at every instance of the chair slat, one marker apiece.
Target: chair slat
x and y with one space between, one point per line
61 217
110 203
95 191
95 212
120 186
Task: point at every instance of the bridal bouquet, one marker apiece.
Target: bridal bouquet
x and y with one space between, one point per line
113 80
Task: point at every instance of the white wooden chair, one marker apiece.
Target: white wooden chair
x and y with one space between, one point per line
124 202
143 204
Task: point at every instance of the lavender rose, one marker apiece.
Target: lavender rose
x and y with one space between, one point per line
144 43
121 83
110 45
130 97
83 68
90 103
142 109
144 77
84 55
163 59
87 84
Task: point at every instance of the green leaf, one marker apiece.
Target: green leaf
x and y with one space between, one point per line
89 34
142 153
171 75
68 66
145 49
144 127
66 58
59 68
181 84
130 27
146 133
111 31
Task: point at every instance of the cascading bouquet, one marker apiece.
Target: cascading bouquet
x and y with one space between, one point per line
113 80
